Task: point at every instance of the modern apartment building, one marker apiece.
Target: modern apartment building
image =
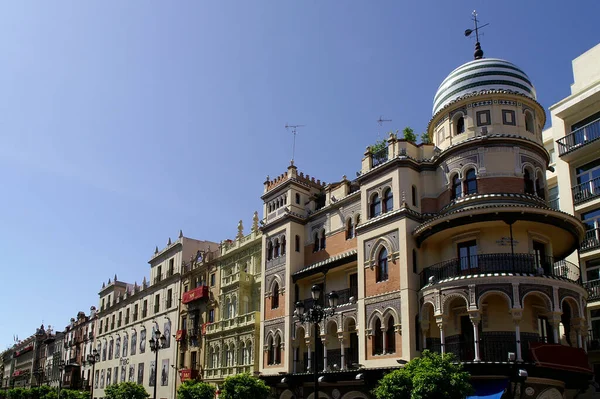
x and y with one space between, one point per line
232 332
574 183
451 246
130 314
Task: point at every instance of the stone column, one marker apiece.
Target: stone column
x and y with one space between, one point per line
324 340
342 350
517 315
440 322
309 365
554 320
384 336
475 319
424 329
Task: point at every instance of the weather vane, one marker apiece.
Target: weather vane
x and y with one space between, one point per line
294 128
478 51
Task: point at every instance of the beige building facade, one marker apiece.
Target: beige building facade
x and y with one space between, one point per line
574 183
129 315
451 246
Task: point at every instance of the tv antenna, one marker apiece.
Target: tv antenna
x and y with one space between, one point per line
294 131
478 51
380 122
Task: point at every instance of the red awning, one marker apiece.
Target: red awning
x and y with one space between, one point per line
560 357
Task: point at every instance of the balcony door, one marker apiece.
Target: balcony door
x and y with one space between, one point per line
354 285
467 339
541 260
467 256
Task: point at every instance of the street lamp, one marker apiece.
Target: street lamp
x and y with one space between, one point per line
315 315
157 343
92 359
39 374
61 367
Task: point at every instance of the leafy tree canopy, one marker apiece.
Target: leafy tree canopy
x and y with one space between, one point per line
425 138
244 386
125 390
427 377
195 390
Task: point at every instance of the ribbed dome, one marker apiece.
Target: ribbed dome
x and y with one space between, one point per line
479 75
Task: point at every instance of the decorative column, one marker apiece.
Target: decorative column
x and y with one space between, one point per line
309 365
440 322
576 324
475 319
324 341
517 315
342 350
554 320
384 336
424 329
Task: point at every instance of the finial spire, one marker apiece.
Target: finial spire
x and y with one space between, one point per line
478 54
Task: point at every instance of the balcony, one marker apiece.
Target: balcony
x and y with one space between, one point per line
500 263
188 374
593 289
554 203
345 295
180 335
234 322
200 292
579 138
591 240
237 277
586 191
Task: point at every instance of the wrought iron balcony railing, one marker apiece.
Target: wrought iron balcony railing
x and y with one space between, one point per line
578 138
500 263
593 289
591 240
586 191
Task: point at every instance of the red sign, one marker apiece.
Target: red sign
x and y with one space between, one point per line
196 293
22 351
188 374
180 335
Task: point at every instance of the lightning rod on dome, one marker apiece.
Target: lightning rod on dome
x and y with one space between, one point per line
293 128
478 51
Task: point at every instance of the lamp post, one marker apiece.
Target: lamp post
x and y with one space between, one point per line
92 359
157 343
315 315
39 374
61 367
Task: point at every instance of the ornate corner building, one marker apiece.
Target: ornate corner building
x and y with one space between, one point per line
574 178
78 343
451 246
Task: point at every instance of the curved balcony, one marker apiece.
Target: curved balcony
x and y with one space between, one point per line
500 263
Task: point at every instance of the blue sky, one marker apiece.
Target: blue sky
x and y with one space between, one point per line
122 122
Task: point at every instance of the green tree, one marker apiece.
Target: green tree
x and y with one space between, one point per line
2 394
17 393
244 386
195 390
425 138
427 377
409 134
126 390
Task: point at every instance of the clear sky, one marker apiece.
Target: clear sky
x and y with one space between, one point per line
122 122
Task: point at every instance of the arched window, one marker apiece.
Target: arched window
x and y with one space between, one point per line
316 242
277 349
283 245
471 182
216 360
356 224
227 308
375 207
377 338
322 240
211 353
249 352
388 200
390 336
269 250
270 351
539 188
529 189
276 251
414 195
382 265
459 126
529 125
233 308
349 230
275 296
456 187
297 243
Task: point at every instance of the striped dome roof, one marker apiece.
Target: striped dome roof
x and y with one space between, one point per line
482 74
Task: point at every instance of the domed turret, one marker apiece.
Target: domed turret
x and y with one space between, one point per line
481 75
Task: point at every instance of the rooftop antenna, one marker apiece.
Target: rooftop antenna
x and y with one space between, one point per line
478 51
293 128
380 122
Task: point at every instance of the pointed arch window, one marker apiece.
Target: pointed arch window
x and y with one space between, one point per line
471 182
316 242
275 296
375 206
283 245
356 223
277 247
390 336
349 229
270 351
323 240
382 265
277 349
529 184
414 195
456 187
377 338
388 200
297 243
539 188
